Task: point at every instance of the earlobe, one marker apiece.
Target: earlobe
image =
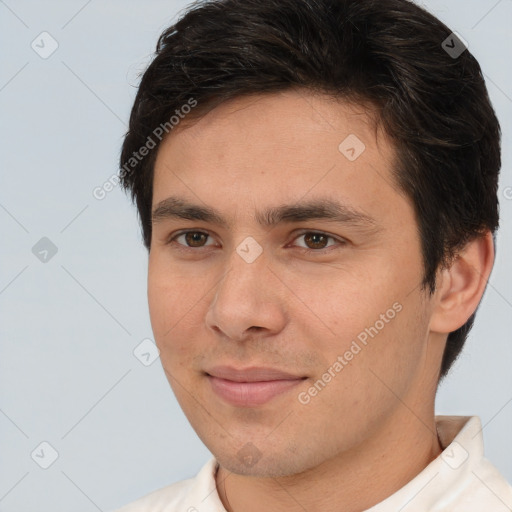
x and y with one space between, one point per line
462 285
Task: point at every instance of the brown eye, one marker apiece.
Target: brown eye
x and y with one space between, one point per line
195 238
315 240
191 239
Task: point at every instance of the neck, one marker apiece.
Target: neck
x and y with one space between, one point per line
387 460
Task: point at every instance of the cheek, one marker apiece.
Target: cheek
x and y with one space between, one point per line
162 305
361 317
176 303
165 307
393 349
340 301
172 292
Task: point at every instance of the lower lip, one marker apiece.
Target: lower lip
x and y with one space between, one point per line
250 394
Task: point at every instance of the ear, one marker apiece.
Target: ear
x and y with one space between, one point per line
460 287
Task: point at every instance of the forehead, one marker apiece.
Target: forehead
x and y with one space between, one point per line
290 115
278 148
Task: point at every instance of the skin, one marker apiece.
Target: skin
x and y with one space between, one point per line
298 311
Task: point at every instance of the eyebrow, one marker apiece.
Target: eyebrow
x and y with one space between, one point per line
318 209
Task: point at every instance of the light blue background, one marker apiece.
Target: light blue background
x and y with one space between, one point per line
69 326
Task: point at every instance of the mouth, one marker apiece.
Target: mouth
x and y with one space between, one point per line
250 387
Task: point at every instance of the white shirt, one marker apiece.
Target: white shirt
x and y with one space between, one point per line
461 479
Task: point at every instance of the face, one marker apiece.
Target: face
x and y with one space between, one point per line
283 285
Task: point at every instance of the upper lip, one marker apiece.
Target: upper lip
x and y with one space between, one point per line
252 374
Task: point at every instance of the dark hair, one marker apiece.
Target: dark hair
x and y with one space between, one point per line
391 54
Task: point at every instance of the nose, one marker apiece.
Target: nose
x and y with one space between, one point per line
247 301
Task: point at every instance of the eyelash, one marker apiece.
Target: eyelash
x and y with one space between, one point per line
324 250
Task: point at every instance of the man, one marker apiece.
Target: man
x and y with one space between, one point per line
316 183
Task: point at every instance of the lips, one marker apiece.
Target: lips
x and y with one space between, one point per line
253 374
250 387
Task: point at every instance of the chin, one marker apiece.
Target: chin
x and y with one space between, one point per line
251 462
